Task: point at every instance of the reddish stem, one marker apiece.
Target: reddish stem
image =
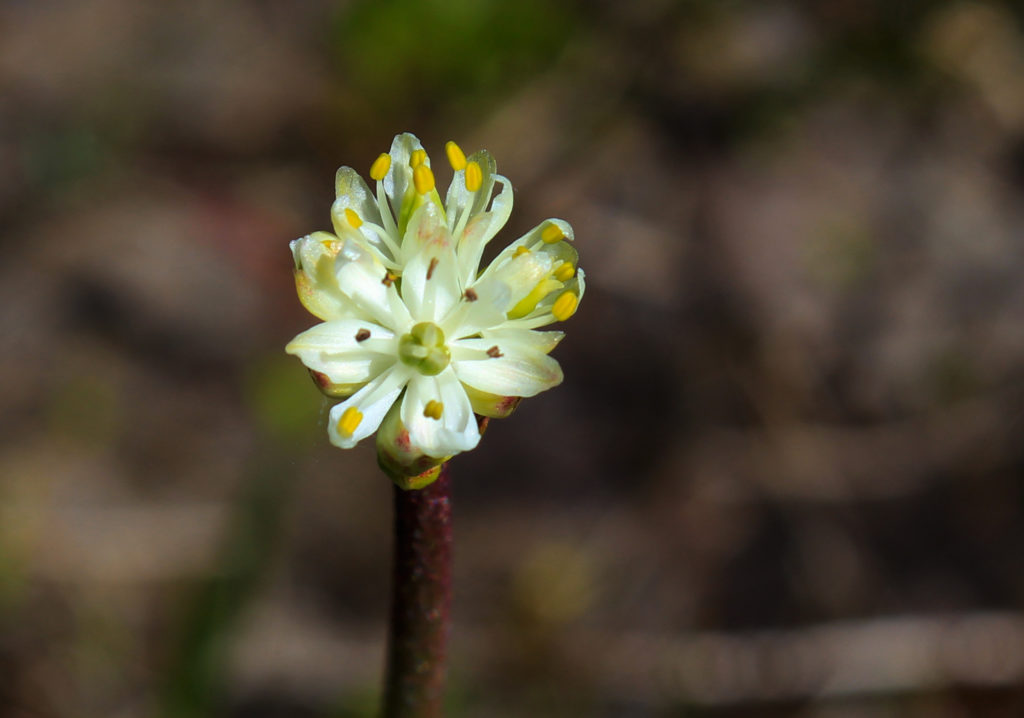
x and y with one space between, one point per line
421 598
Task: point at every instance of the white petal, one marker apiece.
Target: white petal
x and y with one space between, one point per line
523 340
333 349
353 193
361 278
354 196
455 431
430 285
459 198
480 229
427 229
373 402
315 279
497 292
398 181
518 372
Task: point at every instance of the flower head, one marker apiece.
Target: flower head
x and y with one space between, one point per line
414 334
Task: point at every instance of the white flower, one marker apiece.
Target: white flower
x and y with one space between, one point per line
410 324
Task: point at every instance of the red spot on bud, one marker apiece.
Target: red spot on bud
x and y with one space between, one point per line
402 440
320 379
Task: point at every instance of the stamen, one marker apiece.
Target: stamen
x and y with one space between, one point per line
418 157
521 250
474 176
433 409
494 352
349 421
362 335
389 279
380 167
353 218
471 295
433 265
456 157
564 307
565 272
423 179
552 233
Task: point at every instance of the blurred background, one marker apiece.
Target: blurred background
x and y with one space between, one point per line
783 474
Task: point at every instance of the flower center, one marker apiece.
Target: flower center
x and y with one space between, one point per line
423 348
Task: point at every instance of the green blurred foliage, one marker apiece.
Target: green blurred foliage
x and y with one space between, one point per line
411 54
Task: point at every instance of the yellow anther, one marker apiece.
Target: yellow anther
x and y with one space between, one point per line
433 409
474 176
418 157
423 179
521 250
564 307
353 218
552 233
349 421
565 272
456 157
380 167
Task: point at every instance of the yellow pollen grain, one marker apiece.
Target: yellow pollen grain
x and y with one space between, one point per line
349 421
380 167
564 307
353 218
423 179
456 157
521 250
565 272
418 157
474 176
552 233
433 409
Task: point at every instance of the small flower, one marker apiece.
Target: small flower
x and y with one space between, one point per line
413 333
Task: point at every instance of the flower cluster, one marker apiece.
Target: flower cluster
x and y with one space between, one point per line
415 337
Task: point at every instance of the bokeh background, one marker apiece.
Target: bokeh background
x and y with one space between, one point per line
782 477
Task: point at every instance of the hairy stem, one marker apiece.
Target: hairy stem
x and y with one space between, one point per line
421 597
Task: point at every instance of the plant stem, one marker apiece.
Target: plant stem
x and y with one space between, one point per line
421 597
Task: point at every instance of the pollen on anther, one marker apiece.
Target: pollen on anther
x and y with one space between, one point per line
380 167
423 179
564 307
418 157
494 352
474 176
433 409
362 335
353 219
456 157
521 250
433 265
349 421
389 279
471 295
565 272
552 233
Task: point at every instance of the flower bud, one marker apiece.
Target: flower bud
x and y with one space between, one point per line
492 406
404 462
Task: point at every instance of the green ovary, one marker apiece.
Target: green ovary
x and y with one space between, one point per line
423 348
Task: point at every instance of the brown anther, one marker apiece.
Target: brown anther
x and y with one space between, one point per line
362 335
494 352
433 265
389 279
471 295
